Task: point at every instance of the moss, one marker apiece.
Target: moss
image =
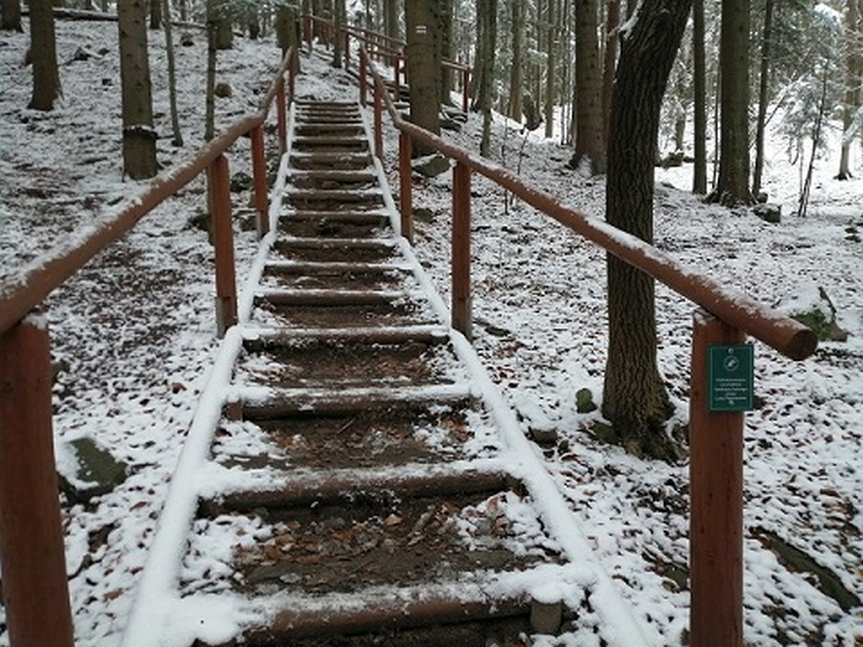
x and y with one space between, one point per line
817 321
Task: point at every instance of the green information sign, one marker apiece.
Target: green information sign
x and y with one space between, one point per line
731 381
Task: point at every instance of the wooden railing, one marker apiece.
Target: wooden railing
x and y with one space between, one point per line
31 540
378 46
725 317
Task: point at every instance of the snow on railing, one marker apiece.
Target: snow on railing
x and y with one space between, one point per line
31 544
725 316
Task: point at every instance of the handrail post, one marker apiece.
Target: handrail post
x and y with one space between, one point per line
396 66
281 117
292 81
461 297
379 136
259 174
223 244
716 494
347 51
32 555
363 80
405 187
464 90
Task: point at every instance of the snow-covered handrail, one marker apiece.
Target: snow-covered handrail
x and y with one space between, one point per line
43 275
777 330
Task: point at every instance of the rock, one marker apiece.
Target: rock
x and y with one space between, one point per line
107 82
102 51
798 561
431 166
584 401
672 160
81 54
768 212
761 197
812 307
423 215
89 470
223 90
240 182
450 124
546 609
186 39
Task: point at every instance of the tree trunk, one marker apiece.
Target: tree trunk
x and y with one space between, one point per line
139 138
423 66
155 14
515 72
184 11
634 398
172 73
699 84
479 54
253 21
11 15
550 70
610 62
210 98
489 32
286 33
391 18
338 21
43 49
733 185
589 141
224 34
445 43
854 62
762 97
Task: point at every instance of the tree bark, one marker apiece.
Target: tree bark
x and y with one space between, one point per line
253 21
338 21
489 32
634 398
515 72
210 98
155 14
589 141
139 138
172 73
10 18
184 11
43 49
391 19
854 62
699 84
550 69
423 66
286 33
733 185
613 20
762 97
445 8
479 54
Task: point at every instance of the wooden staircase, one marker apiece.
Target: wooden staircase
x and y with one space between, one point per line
357 449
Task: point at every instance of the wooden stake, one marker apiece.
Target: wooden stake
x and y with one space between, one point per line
379 135
461 297
716 490
464 89
406 187
35 591
281 116
223 244
363 80
259 174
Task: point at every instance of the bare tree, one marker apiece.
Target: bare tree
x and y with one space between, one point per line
763 97
589 140
550 69
155 14
488 17
854 63
423 66
516 72
172 73
139 138
10 15
699 86
43 49
634 397
612 20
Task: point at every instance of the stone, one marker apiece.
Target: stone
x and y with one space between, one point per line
423 215
223 90
761 197
80 54
546 617
431 166
96 472
450 124
768 212
186 39
240 182
812 307
543 435
584 401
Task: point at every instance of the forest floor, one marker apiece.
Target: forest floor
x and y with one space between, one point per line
133 340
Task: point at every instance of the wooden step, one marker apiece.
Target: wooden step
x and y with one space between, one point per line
356 217
335 195
263 338
333 174
342 142
333 268
301 297
383 244
331 160
274 403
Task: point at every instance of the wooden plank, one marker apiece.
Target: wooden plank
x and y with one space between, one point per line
716 491
259 175
406 187
223 244
31 537
461 296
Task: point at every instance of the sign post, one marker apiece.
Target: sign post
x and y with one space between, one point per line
731 381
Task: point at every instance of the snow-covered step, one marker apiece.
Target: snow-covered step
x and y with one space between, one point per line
259 338
312 297
333 268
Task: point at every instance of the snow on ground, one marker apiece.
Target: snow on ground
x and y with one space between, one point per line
132 333
540 325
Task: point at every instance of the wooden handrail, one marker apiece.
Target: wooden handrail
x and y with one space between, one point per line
784 334
43 275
